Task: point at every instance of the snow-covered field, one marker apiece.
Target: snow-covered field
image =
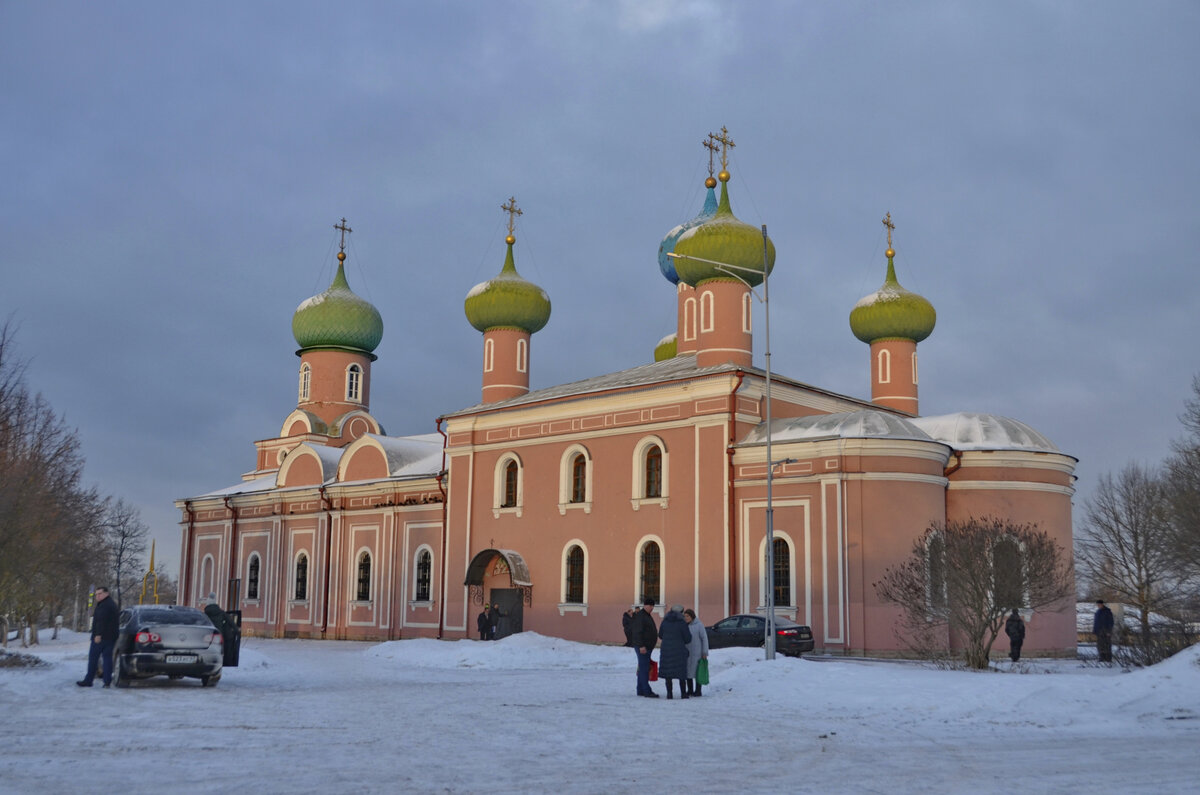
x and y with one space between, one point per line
536 714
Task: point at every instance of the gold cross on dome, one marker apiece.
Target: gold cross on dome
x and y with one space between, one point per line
344 229
887 221
513 211
711 146
726 144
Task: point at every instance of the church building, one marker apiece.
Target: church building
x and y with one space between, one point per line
566 504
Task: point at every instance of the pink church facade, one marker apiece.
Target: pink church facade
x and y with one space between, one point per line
564 505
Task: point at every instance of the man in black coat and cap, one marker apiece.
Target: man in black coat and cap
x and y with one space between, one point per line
643 636
1014 627
104 637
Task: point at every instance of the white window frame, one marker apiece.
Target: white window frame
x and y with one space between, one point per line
747 314
305 381
522 355
424 549
638 496
689 318
564 606
662 571
250 562
371 578
354 383
707 311
787 610
489 354
566 478
498 506
303 553
884 366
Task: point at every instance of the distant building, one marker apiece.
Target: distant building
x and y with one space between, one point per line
566 504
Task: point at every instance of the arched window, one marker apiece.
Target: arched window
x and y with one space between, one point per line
707 312
914 366
300 589
747 314
511 481
654 471
783 572
252 577
522 355
424 576
884 366
573 590
354 383
489 354
305 380
935 566
363 592
650 572
208 578
578 478
1008 573
689 318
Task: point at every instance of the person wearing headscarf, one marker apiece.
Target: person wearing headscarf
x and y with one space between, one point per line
673 658
697 650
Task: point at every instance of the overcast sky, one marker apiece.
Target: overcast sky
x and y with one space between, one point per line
172 173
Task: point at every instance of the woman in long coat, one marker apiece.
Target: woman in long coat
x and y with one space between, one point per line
673 654
697 649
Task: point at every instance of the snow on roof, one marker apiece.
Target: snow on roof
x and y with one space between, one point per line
411 456
971 431
264 483
862 424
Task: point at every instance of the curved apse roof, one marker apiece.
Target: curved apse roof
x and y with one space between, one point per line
861 424
411 456
972 431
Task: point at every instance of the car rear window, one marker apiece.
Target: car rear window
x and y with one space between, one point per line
174 617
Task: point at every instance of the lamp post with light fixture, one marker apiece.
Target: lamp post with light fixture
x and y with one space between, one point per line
732 270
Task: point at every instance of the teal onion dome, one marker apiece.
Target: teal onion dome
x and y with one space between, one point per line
891 312
667 348
337 318
665 263
722 238
508 301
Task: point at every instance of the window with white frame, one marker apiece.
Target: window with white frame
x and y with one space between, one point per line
707 311
354 383
489 354
747 314
884 366
914 367
522 355
689 318
575 479
573 575
363 590
782 558
649 472
300 583
252 571
508 487
650 572
305 381
424 579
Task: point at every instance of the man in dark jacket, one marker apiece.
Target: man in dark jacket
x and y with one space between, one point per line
1102 628
643 636
104 637
627 623
1014 627
484 622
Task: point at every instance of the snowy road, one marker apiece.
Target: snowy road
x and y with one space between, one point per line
534 714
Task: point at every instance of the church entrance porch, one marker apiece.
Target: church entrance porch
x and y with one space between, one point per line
500 577
509 606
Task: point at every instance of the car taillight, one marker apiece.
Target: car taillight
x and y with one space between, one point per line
148 637
216 639
785 632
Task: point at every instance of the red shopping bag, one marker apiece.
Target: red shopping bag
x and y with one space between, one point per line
653 670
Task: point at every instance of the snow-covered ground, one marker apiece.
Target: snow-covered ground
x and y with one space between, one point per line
536 714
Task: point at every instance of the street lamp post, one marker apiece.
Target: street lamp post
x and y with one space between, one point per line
769 630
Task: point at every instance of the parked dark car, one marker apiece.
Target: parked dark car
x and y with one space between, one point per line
750 630
167 640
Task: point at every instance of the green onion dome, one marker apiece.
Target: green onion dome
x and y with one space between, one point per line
722 238
337 318
667 348
665 263
508 301
891 312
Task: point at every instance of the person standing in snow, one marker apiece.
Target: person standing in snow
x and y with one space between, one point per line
1102 628
697 650
673 659
643 636
484 623
104 636
1014 627
627 624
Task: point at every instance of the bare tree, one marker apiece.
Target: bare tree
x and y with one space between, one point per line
963 577
126 535
1183 489
1125 547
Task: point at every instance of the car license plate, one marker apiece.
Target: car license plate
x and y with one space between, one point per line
181 658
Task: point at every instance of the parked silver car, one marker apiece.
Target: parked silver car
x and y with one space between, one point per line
167 640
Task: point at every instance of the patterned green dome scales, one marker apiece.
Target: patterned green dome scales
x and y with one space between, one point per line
891 312
337 318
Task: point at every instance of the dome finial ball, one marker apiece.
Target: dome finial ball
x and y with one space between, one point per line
723 176
510 240
890 253
341 256
710 182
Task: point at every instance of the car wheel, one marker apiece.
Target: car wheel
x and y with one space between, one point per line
120 677
210 681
